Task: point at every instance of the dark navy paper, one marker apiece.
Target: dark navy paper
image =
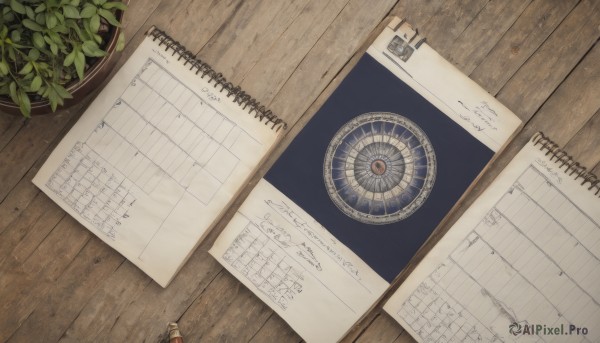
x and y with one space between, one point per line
370 87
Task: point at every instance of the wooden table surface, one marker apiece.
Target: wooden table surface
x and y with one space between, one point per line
58 282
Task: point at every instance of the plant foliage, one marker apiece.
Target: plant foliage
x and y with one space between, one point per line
46 44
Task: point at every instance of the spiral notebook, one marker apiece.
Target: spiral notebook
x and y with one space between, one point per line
362 186
522 264
159 155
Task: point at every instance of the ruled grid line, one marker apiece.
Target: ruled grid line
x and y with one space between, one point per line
158 132
529 260
252 230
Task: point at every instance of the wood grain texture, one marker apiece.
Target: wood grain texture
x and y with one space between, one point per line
585 144
535 81
60 283
275 330
574 102
9 126
332 50
290 48
524 37
382 329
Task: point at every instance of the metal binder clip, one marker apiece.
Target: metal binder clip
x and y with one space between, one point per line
406 41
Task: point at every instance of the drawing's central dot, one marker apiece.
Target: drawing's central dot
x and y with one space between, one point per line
378 167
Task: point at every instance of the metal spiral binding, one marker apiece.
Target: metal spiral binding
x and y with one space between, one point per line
565 160
218 80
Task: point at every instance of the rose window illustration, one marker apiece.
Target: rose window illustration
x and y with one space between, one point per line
379 168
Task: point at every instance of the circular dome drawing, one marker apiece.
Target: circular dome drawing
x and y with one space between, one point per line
379 168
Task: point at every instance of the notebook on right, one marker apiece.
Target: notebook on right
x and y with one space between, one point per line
522 264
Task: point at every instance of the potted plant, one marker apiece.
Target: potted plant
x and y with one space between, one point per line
54 52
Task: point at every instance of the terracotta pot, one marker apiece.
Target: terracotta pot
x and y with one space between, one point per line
94 76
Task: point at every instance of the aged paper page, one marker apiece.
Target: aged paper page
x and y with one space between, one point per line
522 264
436 79
154 160
294 265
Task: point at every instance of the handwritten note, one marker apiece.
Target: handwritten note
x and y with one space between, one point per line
522 264
464 102
296 266
154 160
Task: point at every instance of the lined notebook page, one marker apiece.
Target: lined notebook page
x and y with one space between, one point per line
522 264
154 160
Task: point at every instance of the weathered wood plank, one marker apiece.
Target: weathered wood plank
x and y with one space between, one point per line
264 80
245 37
483 33
105 306
21 195
23 235
451 19
328 56
193 23
9 126
235 317
417 12
145 318
584 145
404 337
63 302
535 81
382 329
27 146
25 284
574 102
524 37
275 330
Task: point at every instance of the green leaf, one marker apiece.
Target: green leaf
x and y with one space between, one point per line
33 54
98 2
120 42
3 68
109 16
30 13
27 68
71 12
90 48
88 11
12 91
40 18
17 6
70 58
36 83
38 40
32 25
51 20
95 23
98 38
62 91
54 48
79 63
24 103
74 2
60 17
15 36
12 54
115 4
3 32
40 8
53 98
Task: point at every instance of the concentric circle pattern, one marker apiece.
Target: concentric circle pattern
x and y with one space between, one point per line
379 168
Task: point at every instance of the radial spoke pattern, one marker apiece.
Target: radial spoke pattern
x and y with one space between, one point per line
379 168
